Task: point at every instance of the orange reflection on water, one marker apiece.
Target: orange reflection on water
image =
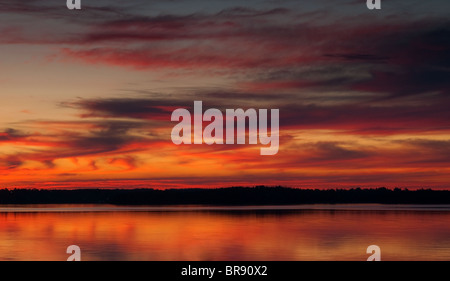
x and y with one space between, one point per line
226 235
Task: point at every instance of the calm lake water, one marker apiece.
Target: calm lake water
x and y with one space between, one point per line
294 233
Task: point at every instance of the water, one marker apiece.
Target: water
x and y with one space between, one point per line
193 233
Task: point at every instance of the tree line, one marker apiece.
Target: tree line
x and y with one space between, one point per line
259 195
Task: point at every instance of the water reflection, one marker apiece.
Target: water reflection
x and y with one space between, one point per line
117 233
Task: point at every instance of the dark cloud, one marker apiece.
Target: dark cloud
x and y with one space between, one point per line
9 135
108 136
137 108
10 164
357 57
160 108
251 12
334 151
418 63
100 138
362 118
367 119
427 151
227 23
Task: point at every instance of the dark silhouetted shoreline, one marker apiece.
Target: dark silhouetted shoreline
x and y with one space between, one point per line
224 196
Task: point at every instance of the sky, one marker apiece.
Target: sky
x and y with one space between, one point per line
87 95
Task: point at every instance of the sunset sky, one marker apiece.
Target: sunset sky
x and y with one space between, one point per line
87 96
